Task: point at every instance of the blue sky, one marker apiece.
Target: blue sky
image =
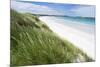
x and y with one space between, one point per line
54 8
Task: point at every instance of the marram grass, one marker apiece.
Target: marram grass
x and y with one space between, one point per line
33 43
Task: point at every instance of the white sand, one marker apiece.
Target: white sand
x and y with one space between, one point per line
75 34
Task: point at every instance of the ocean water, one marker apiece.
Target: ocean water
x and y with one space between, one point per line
83 20
86 25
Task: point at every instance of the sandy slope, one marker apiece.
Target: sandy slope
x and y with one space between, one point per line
76 35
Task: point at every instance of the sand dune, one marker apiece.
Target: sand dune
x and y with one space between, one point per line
75 34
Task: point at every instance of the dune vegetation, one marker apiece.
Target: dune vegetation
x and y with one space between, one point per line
33 43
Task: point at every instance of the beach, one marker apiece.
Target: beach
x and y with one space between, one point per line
81 35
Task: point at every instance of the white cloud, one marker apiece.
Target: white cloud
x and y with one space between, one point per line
32 8
85 11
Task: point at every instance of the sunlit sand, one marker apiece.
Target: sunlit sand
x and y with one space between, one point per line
76 34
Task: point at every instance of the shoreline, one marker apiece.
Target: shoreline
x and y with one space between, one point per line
80 38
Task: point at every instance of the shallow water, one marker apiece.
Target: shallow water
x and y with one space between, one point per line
83 24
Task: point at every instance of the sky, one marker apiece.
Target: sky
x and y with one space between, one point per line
53 8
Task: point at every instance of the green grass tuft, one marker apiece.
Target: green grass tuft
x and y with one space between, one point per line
33 43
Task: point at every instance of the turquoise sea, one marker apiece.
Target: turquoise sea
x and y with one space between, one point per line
84 20
84 24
